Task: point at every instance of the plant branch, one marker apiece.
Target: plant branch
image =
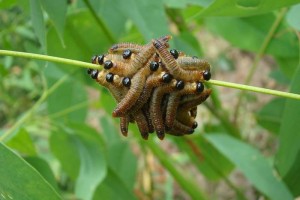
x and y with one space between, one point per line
100 22
187 184
219 114
30 112
69 109
256 89
194 148
94 66
50 58
258 57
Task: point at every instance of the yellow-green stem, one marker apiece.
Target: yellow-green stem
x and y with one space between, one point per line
255 89
257 59
93 66
49 58
29 113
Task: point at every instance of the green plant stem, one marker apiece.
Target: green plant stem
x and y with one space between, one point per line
69 110
30 112
176 16
93 66
258 57
190 187
255 89
100 22
219 114
195 148
50 58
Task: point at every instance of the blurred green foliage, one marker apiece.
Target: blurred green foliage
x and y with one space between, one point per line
57 143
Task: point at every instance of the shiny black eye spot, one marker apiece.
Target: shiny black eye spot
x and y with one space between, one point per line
199 87
109 77
94 74
89 71
167 78
100 59
126 81
206 75
154 66
108 64
174 53
191 131
126 54
195 125
180 85
93 59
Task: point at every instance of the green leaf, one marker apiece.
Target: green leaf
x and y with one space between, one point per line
288 155
44 169
255 29
110 131
187 43
210 162
64 148
21 181
115 21
22 142
7 3
69 94
113 187
244 7
92 161
186 182
81 37
288 66
292 17
279 77
38 23
148 16
56 10
254 166
270 115
185 3
123 162
106 101
88 147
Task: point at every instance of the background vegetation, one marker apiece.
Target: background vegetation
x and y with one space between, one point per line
59 141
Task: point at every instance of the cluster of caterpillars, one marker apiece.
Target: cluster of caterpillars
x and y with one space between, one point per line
154 87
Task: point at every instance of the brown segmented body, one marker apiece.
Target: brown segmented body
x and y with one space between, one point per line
133 94
174 100
173 67
188 63
180 129
155 107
